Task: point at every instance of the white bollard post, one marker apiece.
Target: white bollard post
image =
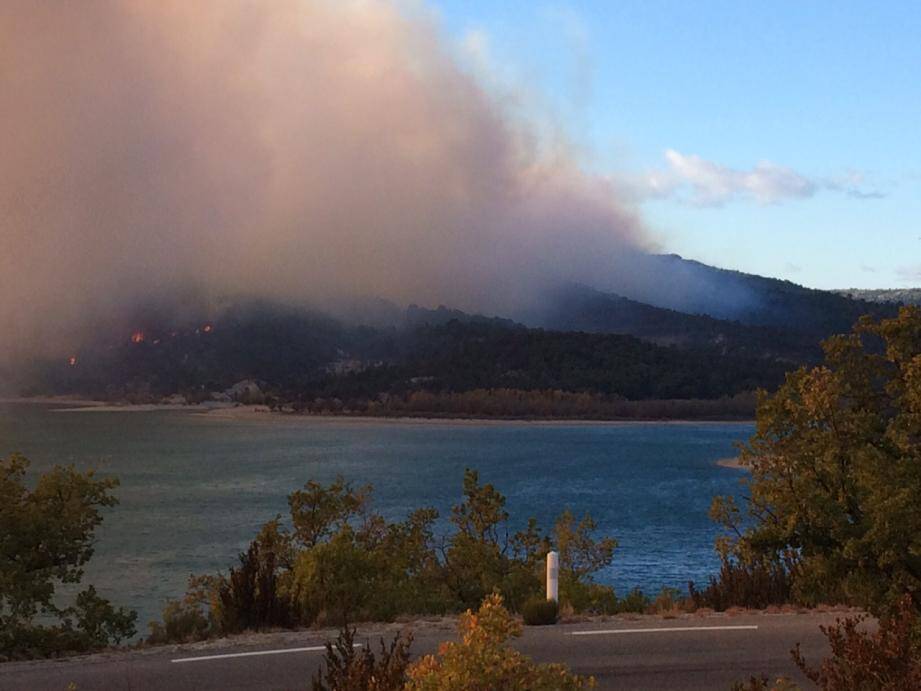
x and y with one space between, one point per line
553 576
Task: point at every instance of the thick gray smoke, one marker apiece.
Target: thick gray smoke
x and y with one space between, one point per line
299 149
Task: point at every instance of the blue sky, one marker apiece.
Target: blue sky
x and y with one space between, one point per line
781 138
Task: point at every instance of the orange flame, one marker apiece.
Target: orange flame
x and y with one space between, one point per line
72 361
207 328
137 337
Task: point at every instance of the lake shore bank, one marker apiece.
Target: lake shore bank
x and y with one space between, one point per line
237 412
53 400
263 413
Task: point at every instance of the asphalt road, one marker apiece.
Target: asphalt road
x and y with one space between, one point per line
646 653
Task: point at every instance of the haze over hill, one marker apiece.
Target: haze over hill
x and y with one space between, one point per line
167 163
302 150
309 152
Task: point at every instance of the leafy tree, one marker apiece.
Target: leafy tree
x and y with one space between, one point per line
337 579
341 562
318 511
46 538
483 555
835 463
581 556
250 597
372 570
475 559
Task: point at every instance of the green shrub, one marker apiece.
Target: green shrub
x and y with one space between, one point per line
668 601
588 598
636 602
581 556
538 611
250 598
181 624
193 618
340 562
753 585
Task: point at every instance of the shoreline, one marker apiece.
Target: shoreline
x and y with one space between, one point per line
67 404
236 411
263 413
53 400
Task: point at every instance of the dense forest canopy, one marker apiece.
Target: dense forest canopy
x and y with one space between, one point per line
297 355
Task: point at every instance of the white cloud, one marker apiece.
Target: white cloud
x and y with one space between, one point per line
853 183
697 181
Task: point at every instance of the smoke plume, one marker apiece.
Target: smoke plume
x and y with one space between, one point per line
295 149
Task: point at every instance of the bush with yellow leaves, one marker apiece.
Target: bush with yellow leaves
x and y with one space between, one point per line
483 660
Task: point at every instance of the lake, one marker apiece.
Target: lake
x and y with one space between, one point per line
196 488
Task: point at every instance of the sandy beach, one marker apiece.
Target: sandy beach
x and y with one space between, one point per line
237 412
81 405
249 412
54 400
127 408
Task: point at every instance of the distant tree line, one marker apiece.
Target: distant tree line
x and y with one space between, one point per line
312 363
518 404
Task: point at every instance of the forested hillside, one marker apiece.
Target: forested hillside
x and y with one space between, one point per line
299 356
577 308
672 282
581 352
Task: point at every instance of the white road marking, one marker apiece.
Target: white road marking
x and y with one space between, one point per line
664 630
280 651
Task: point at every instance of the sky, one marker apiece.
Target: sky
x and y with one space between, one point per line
780 138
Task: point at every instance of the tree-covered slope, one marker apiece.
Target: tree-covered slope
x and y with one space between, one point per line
299 354
672 282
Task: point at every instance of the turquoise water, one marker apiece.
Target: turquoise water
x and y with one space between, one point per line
195 489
